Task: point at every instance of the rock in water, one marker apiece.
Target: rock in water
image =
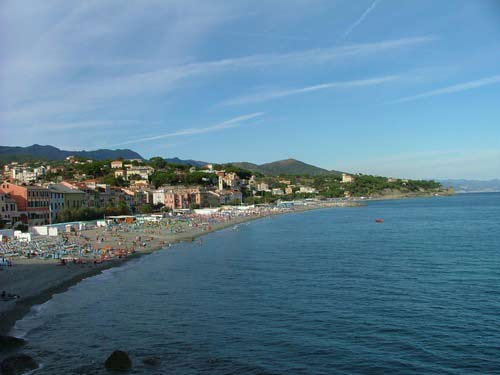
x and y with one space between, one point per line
17 364
151 361
118 361
9 343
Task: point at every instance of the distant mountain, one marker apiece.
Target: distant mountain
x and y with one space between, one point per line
472 186
194 163
286 167
21 154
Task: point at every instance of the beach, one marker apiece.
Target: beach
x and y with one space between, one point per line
36 280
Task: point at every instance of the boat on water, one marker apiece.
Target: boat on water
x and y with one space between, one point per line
379 220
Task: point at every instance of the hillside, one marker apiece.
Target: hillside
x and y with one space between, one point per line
286 167
38 152
194 163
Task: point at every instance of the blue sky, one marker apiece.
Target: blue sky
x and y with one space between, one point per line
390 87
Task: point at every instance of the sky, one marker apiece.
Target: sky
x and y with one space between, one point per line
403 88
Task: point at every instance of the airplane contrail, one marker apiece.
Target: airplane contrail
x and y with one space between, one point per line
361 19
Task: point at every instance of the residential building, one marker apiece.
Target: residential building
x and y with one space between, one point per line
135 198
230 180
8 209
33 202
26 175
307 190
121 173
230 197
63 197
158 197
178 197
144 171
117 164
347 178
277 191
262 187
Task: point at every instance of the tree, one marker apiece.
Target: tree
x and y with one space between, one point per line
162 178
157 162
145 209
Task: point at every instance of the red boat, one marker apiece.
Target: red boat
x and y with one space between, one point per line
379 220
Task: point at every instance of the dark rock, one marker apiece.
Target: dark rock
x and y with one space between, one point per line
151 361
118 361
9 343
17 364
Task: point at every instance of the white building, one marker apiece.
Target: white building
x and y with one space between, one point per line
262 187
277 191
143 171
159 197
307 190
347 178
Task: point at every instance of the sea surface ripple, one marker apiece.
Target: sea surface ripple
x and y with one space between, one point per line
319 292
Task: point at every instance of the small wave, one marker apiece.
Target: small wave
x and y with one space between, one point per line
40 367
29 322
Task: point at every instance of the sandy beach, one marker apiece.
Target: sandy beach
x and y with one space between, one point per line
36 280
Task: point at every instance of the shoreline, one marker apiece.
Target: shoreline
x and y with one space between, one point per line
18 309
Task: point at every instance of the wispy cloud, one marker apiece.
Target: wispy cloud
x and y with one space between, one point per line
232 123
452 89
270 95
83 97
365 14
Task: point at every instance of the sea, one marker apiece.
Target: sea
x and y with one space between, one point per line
320 292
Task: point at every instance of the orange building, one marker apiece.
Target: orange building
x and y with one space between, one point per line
33 203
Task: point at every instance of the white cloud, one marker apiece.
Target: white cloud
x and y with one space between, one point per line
232 123
269 95
452 89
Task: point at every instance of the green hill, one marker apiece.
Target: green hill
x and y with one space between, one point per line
38 152
285 167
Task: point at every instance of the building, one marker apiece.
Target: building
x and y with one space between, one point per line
135 198
181 197
158 197
121 173
262 187
288 190
347 178
26 175
117 164
144 171
33 202
8 209
230 180
230 197
277 191
63 197
307 190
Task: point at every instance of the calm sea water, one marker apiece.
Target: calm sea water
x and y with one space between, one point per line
324 292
